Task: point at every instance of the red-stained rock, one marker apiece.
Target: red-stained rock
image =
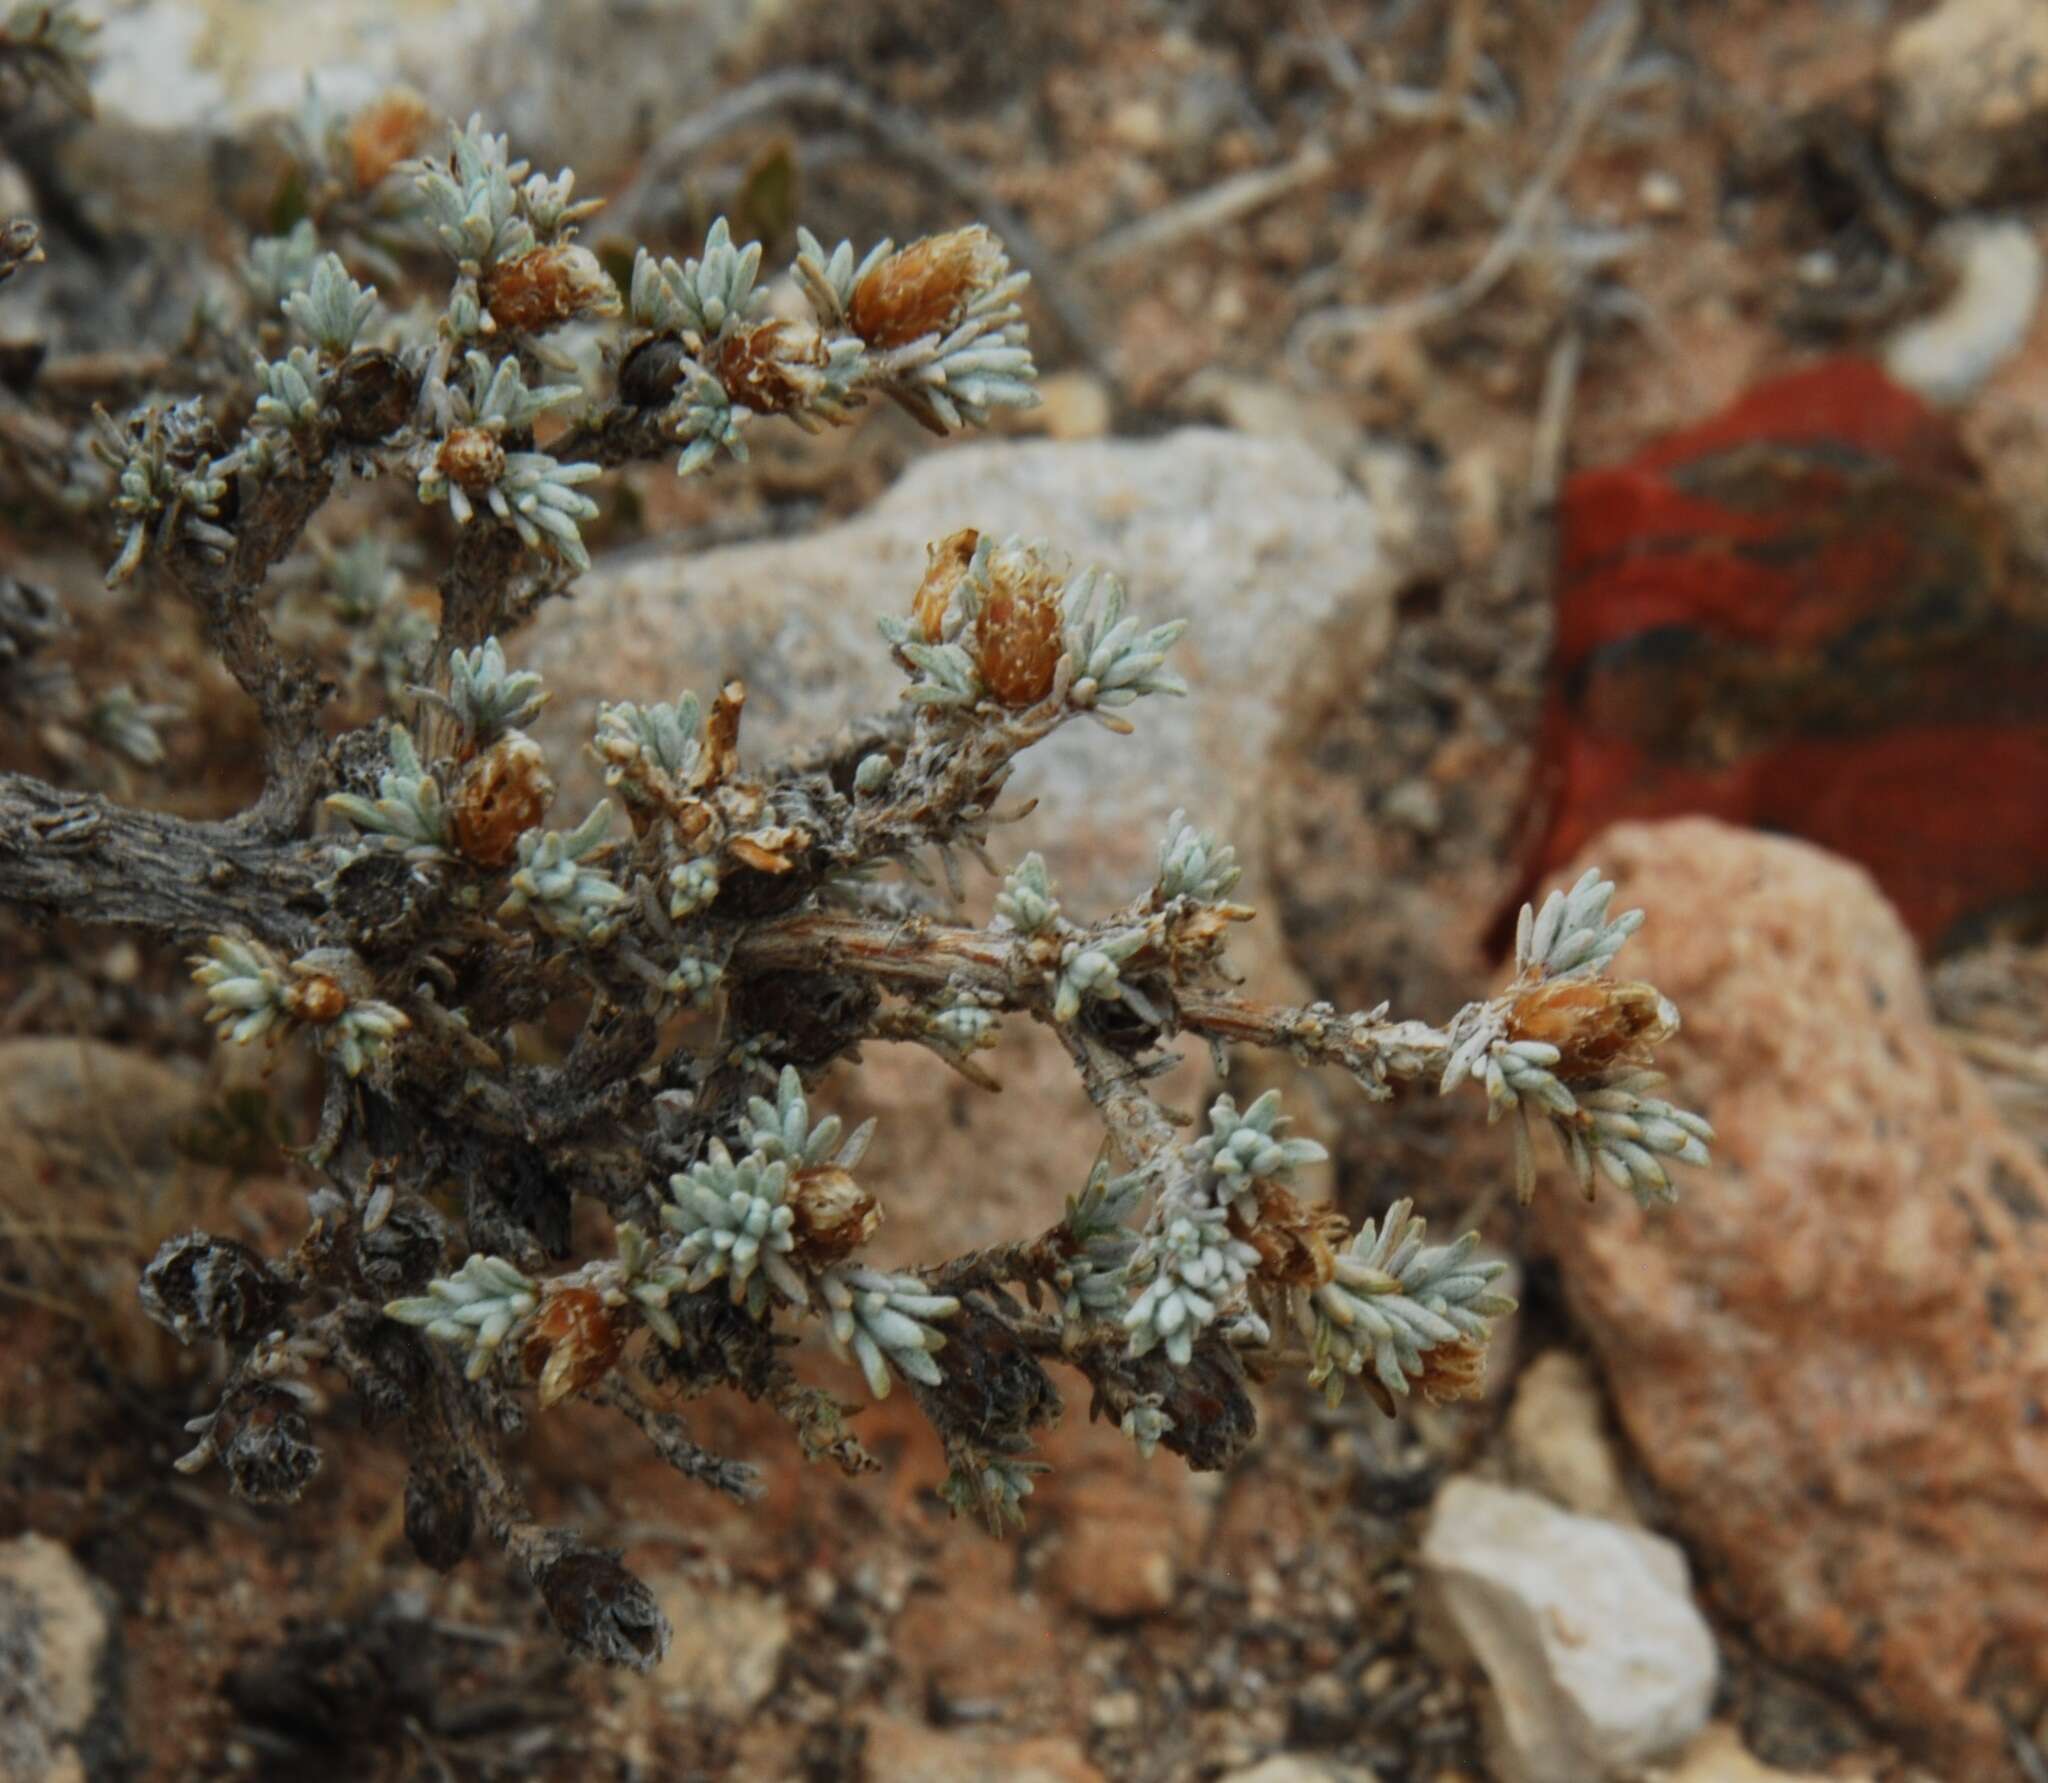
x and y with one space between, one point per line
1832 1356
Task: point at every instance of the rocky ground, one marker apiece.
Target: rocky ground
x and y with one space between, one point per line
1332 294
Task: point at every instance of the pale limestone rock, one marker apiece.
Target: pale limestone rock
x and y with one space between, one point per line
1586 1630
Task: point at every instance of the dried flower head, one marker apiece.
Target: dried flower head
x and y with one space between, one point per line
927 287
1297 1245
471 458
1453 1371
393 127
1594 1023
318 999
547 287
773 367
946 565
571 1344
1018 636
835 1216
501 795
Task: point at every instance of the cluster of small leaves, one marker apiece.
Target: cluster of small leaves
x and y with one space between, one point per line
1598 1106
250 994
408 814
735 1219
466 464
936 327
1394 1304
562 886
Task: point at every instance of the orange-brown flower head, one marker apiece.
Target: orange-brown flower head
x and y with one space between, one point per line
547 287
392 128
925 288
835 1216
763 367
1018 636
317 999
1595 1023
501 795
471 457
573 1343
945 564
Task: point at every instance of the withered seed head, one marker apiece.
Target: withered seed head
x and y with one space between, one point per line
390 129
547 287
945 564
501 795
471 457
835 1216
758 366
1595 1023
573 1343
1296 1244
925 288
1453 1371
1018 638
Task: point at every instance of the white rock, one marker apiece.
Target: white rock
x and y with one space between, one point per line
1968 116
1272 558
1948 354
54 1631
1558 1442
587 82
1587 1631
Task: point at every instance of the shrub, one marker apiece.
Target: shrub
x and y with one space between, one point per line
402 897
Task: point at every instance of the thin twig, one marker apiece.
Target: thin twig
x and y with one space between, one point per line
1209 209
1616 28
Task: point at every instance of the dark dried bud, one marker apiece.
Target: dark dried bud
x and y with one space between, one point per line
763 368
269 1452
992 1389
925 288
405 1252
501 795
372 396
440 1513
201 1286
1209 1401
383 901
809 1018
386 1364
471 457
653 369
602 1610
547 287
